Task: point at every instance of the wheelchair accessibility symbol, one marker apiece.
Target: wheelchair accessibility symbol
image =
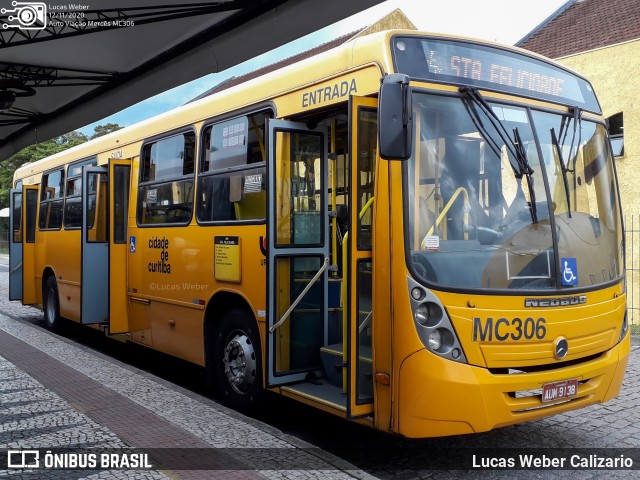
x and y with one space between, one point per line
569 271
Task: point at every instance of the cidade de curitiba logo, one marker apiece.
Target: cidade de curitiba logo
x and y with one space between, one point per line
25 16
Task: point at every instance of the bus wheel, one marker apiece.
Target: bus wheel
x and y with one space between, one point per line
51 304
238 361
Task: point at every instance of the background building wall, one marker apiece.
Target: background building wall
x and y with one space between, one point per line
613 72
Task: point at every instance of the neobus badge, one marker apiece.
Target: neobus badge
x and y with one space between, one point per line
555 302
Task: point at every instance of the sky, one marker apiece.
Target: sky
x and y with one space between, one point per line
502 21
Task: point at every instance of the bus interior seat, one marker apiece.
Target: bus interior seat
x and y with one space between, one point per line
252 207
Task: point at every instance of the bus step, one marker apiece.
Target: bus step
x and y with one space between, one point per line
331 356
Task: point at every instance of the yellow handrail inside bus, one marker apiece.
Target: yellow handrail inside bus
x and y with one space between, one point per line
345 257
445 210
334 198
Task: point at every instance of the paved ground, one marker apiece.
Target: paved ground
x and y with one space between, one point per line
57 393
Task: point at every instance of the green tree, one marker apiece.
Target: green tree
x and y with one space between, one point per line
31 154
42 150
100 130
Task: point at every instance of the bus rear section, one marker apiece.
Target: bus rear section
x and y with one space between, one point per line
510 304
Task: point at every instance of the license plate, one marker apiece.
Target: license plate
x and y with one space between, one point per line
559 390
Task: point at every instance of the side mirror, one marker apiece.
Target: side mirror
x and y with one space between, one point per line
395 119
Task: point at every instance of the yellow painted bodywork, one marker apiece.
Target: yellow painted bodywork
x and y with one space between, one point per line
439 397
433 396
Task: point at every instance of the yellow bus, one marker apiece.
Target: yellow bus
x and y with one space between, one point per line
416 232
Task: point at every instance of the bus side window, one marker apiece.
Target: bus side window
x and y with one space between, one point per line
165 193
73 198
51 198
232 179
17 217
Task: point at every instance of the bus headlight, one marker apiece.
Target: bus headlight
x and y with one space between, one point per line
433 324
428 314
435 340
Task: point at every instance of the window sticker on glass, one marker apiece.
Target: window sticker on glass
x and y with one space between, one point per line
152 196
433 242
229 143
253 183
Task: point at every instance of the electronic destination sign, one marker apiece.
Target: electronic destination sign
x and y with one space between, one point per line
491 68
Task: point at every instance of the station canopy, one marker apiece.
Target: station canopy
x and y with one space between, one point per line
96 58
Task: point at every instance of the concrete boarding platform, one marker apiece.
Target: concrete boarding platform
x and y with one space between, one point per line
55 394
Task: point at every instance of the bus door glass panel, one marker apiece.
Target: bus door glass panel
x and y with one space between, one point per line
95 246
364 131
119 173
298 251
15 245
30 195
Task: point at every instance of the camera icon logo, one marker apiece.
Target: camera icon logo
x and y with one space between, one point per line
26 16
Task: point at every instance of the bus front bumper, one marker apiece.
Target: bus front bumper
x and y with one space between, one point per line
439 397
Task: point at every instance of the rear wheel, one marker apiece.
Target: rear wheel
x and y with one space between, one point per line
51 304
237 360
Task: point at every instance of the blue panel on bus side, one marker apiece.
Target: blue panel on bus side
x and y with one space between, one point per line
94 302
95 283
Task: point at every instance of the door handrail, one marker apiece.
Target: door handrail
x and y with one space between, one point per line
273 327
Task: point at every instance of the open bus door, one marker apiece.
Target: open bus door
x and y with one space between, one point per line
15 245
30 196
22 231
298 252
120 244
94 280
359 276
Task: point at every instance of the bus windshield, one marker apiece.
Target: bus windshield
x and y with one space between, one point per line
487 187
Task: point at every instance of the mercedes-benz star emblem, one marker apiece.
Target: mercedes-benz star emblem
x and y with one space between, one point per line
561 348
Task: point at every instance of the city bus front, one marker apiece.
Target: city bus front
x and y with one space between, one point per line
513 306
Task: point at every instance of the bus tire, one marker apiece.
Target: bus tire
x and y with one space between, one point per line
237 361
51 304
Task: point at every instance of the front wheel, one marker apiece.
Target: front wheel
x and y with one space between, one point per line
51 304
237 361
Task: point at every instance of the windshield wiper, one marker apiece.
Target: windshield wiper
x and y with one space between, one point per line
527 171
564 166
516 148
563 169
577 125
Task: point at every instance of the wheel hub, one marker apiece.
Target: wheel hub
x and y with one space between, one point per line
240 363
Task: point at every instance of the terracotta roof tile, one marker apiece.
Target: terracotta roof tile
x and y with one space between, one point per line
585 25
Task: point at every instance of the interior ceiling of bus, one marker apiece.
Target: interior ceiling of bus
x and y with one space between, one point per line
62 77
